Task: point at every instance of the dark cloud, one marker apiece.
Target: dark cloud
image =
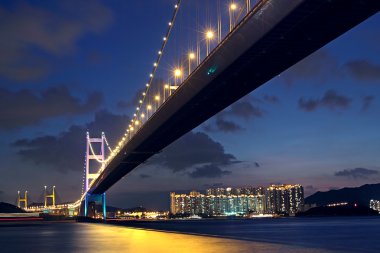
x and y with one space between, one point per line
245 109
143 176
193 150
331 100
66 151
257 165
356 173
24 107
223 121
271 99
30 30
367 101
226 125
208 171
363 70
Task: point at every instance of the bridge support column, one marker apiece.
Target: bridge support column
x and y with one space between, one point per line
93 205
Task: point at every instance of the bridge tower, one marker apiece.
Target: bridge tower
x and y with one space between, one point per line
22 200
47 196
90 175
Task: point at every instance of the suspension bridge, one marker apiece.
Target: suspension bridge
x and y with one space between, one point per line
231 50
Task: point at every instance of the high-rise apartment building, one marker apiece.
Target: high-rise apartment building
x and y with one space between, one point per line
284 199
276 199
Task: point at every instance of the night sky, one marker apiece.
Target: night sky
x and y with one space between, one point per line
71 66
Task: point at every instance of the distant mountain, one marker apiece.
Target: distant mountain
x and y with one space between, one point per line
8 208
346 210
359 195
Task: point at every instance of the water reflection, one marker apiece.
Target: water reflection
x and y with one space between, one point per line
81 237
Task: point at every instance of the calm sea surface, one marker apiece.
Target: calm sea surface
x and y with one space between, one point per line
296 235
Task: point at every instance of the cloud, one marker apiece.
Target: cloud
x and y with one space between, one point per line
243 109
367 101
356 173
208 171
193 150
65 152
257 165
331 100
271 99
24 107
363 70
143 176
224 125
33 32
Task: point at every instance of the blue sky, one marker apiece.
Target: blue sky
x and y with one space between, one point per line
76 66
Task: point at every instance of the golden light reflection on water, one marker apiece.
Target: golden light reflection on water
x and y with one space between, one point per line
108 238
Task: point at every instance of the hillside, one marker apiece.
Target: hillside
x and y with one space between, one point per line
360 195
8 208
346 210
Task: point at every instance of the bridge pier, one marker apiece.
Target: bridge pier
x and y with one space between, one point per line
90 206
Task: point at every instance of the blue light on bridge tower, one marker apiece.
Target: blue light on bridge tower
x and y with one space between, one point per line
104 206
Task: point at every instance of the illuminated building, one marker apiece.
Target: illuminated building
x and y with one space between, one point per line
284 199
218 201
375 205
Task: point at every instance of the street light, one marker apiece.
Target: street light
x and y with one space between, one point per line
177 74
209 37
191 57
166 87
157 99
231 10
148 108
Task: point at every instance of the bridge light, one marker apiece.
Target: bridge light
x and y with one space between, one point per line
160 52
170 23
164 38
166 86
149 107
191 56
209 35
157 98
140 101
143 93
151 75
138 108
155 64
177 72
233 6
137 122
142 115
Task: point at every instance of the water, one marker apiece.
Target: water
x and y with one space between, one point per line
310 235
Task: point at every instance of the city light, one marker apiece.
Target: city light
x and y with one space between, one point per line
177 72
191 56
209 34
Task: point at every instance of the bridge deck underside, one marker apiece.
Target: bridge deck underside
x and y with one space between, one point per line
306 28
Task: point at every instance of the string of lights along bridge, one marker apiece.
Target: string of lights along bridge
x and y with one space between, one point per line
188 41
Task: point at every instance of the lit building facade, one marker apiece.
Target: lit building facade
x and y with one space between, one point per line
219 201
284 199
375 205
